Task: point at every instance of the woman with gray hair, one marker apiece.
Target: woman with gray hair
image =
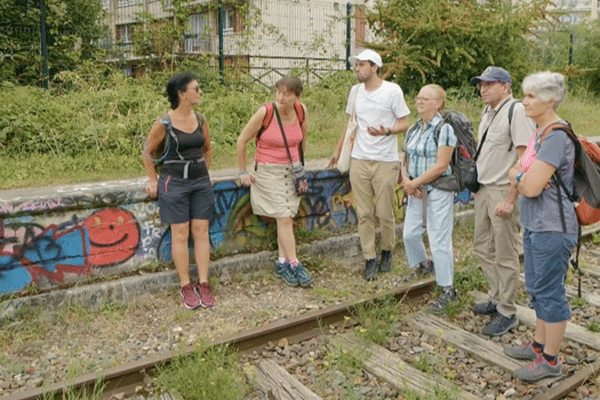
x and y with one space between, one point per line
549 230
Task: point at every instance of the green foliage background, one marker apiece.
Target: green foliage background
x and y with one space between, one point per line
91 124
73 30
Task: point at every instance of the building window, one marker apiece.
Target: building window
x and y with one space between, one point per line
228 20
126 3
106 4
197 35
124 33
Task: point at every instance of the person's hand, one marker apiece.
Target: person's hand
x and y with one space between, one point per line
334 159
411 189
504 209
247 179
152 188
377 132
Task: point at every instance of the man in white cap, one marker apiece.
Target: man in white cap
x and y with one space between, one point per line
503 135
381 115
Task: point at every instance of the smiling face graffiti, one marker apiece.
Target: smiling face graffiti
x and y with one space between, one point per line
113 236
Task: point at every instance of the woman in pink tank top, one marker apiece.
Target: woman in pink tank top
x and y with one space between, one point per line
271 182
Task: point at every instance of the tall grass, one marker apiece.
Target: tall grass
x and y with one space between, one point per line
95 132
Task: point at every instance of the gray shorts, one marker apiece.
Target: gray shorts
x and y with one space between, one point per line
181 200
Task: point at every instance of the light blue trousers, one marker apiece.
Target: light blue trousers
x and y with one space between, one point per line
439 224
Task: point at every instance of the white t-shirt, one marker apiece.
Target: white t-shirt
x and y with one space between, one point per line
381 107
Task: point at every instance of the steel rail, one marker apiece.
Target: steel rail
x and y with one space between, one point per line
125 378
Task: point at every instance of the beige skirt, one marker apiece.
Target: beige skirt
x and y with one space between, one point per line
273 193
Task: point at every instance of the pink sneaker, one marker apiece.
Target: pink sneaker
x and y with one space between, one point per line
190 298
206 297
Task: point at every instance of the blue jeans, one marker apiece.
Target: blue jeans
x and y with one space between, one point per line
439 224
546 263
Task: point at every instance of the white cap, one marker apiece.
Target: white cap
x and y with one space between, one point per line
367 55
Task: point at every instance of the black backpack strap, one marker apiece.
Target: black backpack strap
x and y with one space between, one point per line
511 111
575 261
559 183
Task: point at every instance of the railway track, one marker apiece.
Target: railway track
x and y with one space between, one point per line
392 365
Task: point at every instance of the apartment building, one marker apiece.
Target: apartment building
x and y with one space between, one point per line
270 36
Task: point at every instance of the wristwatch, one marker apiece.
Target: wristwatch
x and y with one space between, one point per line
388 132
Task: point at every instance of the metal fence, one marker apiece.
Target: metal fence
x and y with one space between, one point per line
271 38
265 39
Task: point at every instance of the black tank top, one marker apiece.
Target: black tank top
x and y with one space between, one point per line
189 146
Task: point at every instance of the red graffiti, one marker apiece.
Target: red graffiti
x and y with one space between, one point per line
113 236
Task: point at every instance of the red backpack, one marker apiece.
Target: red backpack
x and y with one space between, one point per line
586 186
269 117
586 180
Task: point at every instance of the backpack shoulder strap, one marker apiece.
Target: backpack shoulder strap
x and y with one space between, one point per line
200 118
165 119
266 120
299 112
558 125
511 111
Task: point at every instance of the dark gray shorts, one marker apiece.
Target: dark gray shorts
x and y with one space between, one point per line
181 200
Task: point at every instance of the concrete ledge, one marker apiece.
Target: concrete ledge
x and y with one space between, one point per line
345 246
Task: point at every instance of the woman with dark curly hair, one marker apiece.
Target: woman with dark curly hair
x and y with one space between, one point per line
184 189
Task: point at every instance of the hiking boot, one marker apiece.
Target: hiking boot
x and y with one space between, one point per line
385 264
425 268
302 275
539 369
190 298
524 352
284 271
500 325
441 304
206 297
487 308
371 268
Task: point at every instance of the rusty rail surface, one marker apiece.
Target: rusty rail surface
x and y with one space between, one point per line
125 378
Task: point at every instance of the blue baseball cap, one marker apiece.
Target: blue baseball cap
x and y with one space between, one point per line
493 74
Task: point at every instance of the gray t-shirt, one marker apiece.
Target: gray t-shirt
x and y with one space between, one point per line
541 213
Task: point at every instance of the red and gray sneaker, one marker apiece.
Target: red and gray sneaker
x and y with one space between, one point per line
191 299
206 297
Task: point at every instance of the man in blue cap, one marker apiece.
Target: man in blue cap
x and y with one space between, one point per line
503 135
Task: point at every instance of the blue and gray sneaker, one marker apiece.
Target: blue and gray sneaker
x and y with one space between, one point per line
302 275
283 270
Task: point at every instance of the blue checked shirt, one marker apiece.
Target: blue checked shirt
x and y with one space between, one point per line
421 148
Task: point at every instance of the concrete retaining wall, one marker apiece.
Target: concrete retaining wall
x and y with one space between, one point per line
76 233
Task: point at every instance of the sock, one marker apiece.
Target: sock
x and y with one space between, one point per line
294 262
552 360
537 347
281 260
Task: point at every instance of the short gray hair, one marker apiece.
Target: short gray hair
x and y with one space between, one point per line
548 86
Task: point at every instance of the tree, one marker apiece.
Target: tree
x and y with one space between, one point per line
449 41
73 28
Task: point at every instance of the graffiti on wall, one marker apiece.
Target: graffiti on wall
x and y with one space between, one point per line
74 235
29 250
